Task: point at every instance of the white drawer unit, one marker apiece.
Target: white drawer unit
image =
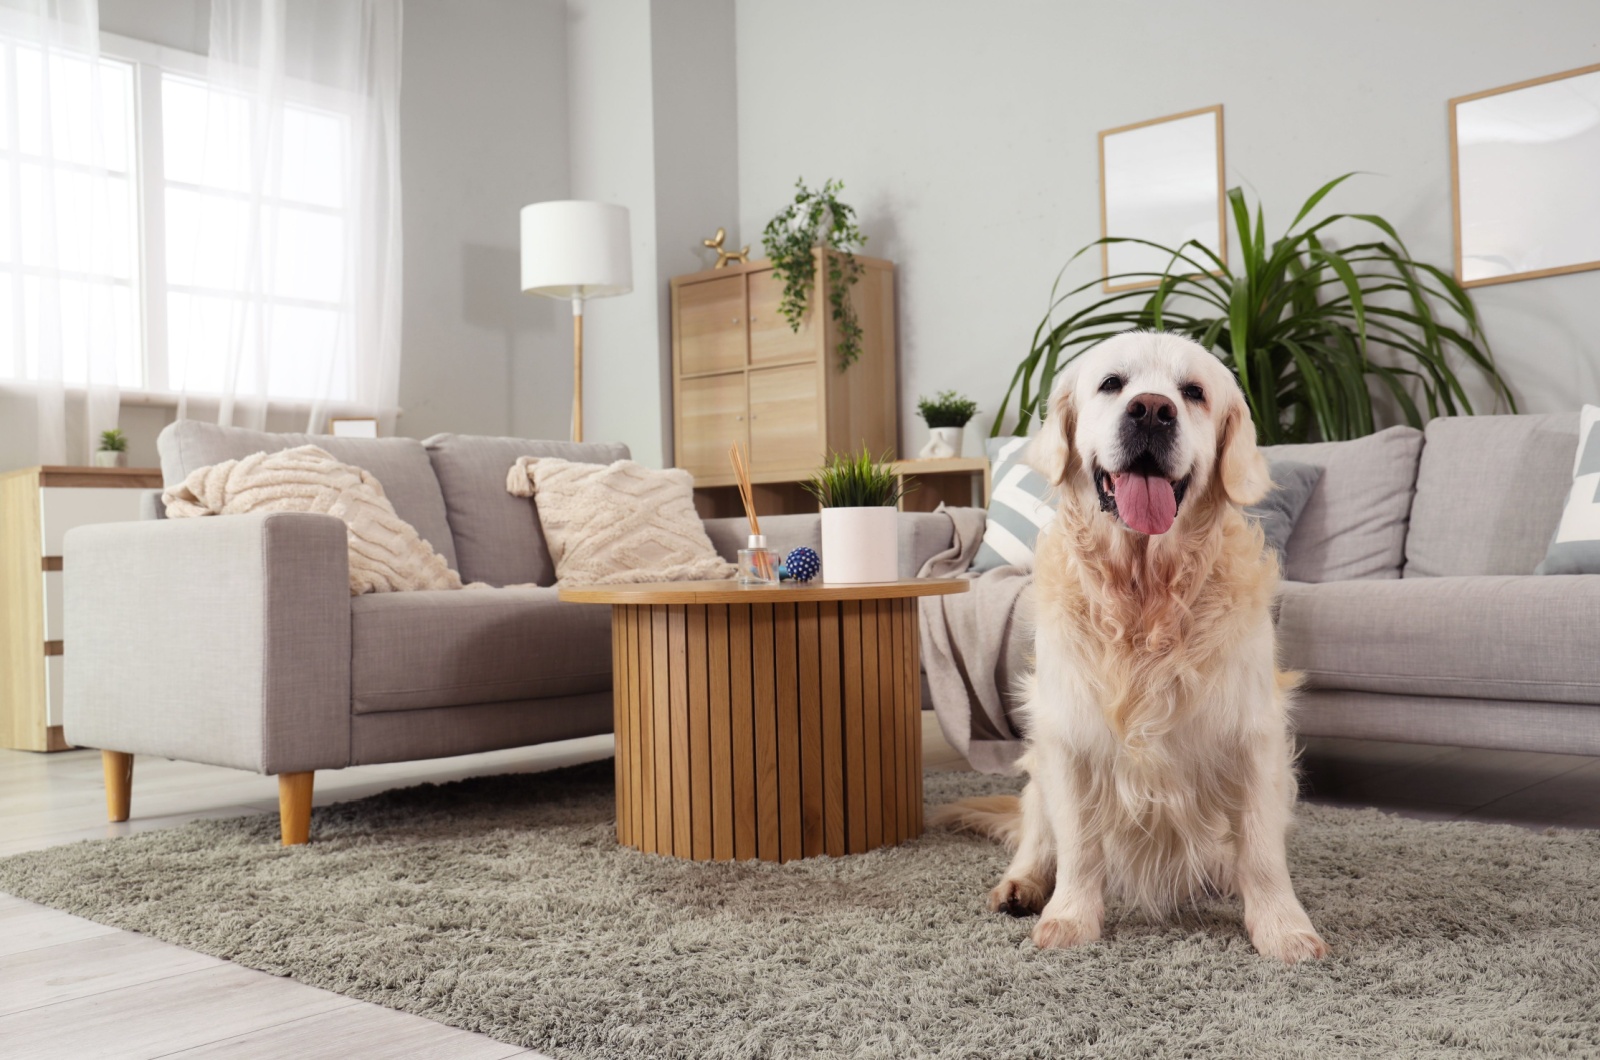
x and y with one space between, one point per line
37 508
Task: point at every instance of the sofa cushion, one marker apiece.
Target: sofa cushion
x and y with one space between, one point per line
1020 507
1354 525
1575 546
411 651
1522 638
498 537
1489 493
399 464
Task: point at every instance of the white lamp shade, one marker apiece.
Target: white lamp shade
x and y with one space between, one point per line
574 249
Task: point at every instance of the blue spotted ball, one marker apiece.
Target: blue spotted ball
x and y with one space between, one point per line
803 564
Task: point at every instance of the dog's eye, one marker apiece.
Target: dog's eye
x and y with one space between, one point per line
1194 393
1111 384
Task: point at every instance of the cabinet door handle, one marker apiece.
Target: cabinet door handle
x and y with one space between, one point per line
738 419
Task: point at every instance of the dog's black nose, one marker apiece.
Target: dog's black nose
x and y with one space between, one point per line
1152 412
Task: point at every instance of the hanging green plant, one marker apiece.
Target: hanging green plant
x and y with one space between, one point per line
1298 324
817 220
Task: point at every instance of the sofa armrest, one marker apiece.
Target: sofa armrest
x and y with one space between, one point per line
922 536
151 505
223 640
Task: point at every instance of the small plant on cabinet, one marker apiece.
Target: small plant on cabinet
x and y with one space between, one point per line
817 221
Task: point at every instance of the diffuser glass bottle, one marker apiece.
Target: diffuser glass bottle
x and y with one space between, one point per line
758 564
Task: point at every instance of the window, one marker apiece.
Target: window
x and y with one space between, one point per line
86 237
156 271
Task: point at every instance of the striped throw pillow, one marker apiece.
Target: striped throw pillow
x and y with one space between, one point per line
1575 549
1017 508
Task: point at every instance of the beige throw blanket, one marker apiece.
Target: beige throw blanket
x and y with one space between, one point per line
976 647
386 553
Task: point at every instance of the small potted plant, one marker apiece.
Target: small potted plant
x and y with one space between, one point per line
946 416
860 538
113 449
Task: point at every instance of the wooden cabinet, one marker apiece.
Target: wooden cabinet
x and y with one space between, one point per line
742 375
37 508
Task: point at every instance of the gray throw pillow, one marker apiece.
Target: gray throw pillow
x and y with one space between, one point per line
1293 484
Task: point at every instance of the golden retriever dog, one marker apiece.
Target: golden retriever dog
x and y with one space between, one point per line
1160 763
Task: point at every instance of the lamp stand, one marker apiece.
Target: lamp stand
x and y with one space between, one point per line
577 368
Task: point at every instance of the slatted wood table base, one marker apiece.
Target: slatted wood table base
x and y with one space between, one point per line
767 730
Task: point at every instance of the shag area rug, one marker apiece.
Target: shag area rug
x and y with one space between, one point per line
503 905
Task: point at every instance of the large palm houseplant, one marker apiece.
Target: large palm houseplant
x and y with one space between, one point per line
1309 329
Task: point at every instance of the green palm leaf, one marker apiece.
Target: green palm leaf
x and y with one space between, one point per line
1311 330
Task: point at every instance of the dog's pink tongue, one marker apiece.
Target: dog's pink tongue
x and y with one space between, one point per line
1146 503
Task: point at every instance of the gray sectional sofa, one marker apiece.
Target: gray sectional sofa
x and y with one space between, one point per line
1409 603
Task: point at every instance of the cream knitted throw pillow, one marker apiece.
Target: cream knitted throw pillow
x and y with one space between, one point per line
608 524
386 553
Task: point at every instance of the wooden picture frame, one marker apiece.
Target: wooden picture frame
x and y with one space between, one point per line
1491 228
1110 206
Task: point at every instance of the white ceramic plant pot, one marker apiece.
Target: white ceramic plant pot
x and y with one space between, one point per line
860 545
109 458
943 443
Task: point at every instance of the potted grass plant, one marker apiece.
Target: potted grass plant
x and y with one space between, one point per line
946 415
859 495
1310 330
113 450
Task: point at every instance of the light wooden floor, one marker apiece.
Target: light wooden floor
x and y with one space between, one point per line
73 988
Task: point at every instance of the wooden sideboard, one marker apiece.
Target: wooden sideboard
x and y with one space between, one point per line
741 374
37 507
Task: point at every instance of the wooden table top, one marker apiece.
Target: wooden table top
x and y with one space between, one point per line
730 592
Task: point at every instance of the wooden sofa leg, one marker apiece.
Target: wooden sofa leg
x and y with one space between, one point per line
118 768
294 807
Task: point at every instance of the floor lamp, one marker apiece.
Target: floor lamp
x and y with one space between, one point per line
576 250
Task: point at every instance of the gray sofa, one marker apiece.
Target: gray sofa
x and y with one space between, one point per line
1409 603
235 641
1410 600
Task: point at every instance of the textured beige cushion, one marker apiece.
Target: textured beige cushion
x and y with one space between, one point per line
1489 493
386 555
497 536
1354 525
614 523
401 464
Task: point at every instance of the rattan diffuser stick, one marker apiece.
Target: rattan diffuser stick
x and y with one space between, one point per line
741 472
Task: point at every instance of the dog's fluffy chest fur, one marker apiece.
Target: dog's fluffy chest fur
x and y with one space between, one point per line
1148 669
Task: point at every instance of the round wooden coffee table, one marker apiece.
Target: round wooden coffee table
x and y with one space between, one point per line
771 722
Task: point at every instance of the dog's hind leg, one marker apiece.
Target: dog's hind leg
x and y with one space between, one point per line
1030 878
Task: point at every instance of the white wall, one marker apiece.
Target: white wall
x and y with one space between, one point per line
965 135
483 131
653 128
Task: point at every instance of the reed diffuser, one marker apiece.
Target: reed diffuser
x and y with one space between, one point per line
758 564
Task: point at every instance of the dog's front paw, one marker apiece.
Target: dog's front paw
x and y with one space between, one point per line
1060 932
1290 939
1019 896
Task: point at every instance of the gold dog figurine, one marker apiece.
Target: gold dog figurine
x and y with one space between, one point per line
724 256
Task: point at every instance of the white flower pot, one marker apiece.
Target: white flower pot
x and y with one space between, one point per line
109 458
860 545
943 443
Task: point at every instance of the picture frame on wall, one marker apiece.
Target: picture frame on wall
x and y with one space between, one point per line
1161 180
353 426
1524 160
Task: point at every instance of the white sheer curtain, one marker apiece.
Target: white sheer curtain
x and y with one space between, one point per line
283 220
68 251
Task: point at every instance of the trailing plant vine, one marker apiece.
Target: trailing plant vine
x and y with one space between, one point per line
1298 323
817 220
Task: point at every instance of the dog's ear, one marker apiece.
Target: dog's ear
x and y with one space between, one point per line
1240 465
1051 452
